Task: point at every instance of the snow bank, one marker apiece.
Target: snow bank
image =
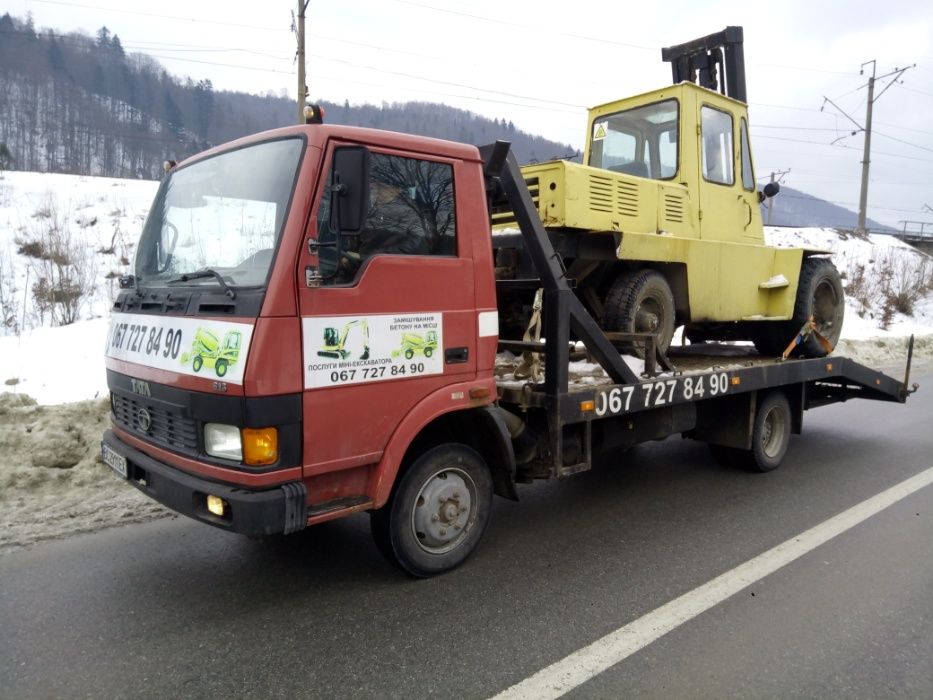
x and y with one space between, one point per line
52 483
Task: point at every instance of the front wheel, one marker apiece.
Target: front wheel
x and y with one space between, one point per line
819 296
437 512
220 367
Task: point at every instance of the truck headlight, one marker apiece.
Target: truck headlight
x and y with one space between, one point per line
223 441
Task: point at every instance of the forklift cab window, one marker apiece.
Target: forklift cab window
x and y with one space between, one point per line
717 139
641 141
411 212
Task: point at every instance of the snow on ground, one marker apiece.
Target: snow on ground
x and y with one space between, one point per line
53 406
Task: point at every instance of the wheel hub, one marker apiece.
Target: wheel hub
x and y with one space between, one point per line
646 321
442 511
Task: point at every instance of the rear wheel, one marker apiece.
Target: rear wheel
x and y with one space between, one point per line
640 303
770 437
197 363
437 512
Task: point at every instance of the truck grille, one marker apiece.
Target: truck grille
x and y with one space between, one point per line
167 427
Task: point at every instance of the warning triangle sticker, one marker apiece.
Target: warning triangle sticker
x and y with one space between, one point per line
599 131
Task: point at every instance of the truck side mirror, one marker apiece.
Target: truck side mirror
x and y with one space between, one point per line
771 189
349 189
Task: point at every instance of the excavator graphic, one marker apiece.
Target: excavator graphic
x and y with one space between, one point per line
335 346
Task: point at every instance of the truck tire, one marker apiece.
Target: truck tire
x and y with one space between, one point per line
770 433
819 294
770 437
197 363
220 367
437 512
640 303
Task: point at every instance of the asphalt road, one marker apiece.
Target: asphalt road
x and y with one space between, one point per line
177 609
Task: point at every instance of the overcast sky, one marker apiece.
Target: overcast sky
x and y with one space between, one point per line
542 63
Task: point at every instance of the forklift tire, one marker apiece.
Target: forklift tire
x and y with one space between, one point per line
437 512
197 363
220 367
820 295
640 303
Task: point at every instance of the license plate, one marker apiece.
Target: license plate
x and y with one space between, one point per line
113 460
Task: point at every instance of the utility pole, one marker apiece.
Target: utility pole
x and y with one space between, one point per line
780 174
866 153
302 87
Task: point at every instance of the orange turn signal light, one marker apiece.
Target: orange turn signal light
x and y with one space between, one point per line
587 406
260 446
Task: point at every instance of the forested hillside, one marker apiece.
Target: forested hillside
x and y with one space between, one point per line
71 103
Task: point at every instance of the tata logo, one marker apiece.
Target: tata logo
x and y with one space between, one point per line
140 387
144 420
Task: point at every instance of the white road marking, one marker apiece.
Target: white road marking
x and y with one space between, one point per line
577 668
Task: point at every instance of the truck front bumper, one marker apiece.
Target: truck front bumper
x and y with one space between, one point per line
280 510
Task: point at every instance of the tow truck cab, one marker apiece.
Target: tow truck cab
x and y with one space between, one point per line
227 404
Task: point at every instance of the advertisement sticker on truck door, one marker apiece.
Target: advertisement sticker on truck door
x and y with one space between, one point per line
359 349
198 347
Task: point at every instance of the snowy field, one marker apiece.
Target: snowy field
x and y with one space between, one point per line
53 405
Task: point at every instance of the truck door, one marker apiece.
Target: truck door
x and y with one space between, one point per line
394 316
727 203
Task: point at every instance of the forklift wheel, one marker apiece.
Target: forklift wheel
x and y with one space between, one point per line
640 303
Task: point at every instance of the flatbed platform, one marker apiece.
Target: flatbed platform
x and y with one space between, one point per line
700 372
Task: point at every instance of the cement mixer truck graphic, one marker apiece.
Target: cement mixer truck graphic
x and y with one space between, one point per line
413 343
207 349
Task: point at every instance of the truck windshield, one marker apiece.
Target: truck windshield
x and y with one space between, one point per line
641 141
223 213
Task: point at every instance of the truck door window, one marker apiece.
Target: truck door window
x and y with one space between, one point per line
748 177
640 141
717 140
411 212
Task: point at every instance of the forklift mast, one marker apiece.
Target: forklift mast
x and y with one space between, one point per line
715 62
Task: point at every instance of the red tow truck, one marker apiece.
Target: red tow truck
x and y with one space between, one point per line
290 236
